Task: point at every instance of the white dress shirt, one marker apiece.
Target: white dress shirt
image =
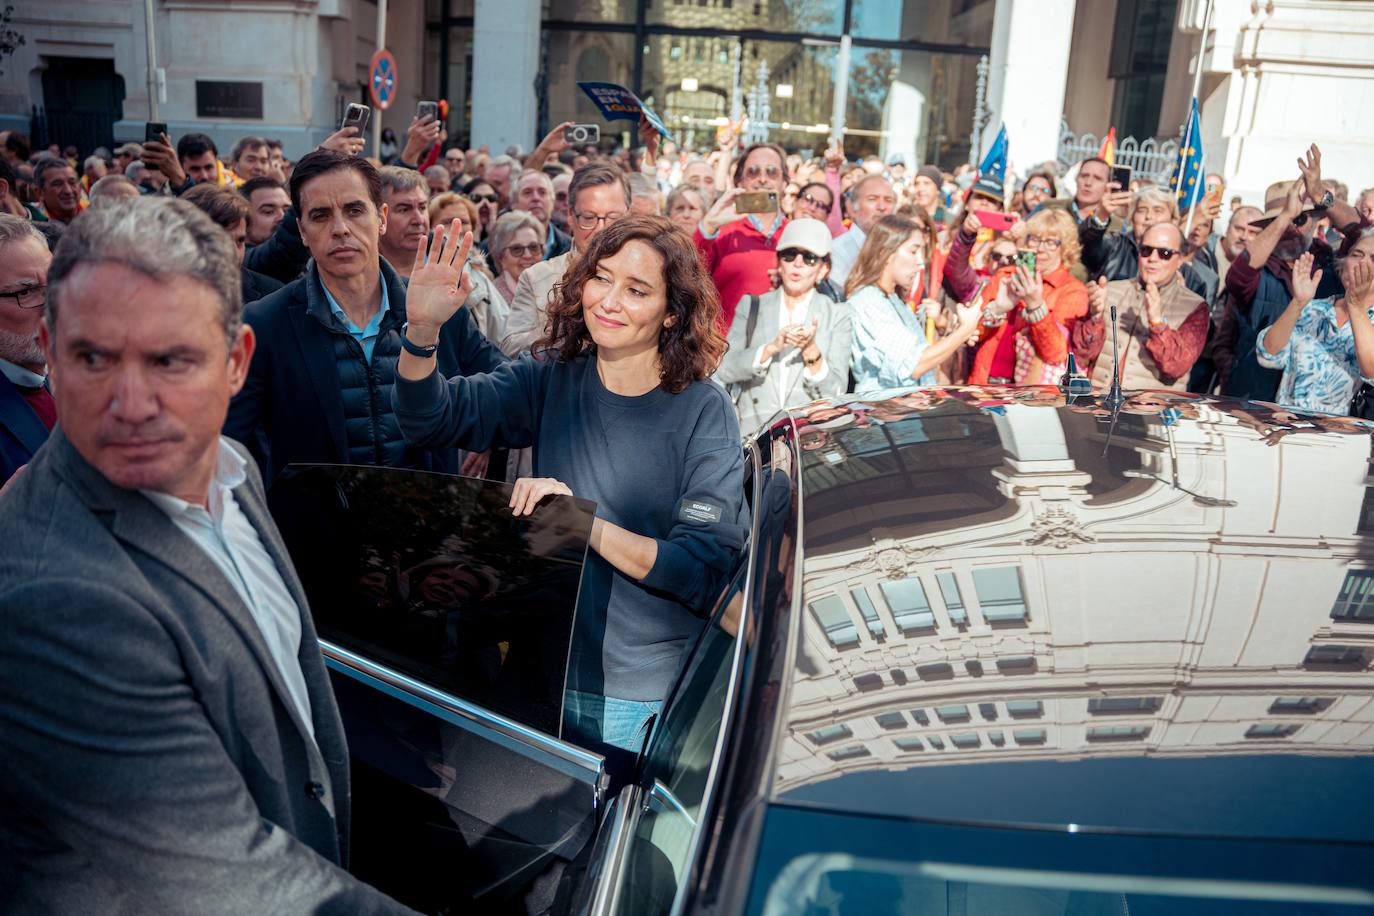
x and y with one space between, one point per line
844 252
20 376
792 358
232 543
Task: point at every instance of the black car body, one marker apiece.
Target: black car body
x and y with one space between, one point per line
990 651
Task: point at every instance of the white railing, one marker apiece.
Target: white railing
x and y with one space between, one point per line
1152 158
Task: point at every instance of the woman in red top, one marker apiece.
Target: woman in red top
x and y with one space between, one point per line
1029 315
739 249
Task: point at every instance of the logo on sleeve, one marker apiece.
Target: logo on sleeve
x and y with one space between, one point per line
695 511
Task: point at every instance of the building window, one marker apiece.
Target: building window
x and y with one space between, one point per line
999 594
996 738
1285 705
965 740
954 602
867 682
908 745
1118 732
920 716
1139 63
1333 655
1106 706
675 52
852 752
1028 736
910 609
937 742
1356 600
830 613
829 735
866 609
1025 709
1271 730
988 711
891 720
952 713
1021 664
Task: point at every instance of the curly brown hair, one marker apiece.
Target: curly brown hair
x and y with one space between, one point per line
690 346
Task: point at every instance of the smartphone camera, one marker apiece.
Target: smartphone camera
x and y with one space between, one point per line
1026 258
582 134
427 109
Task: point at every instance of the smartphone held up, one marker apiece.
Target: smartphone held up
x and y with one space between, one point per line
356 115
757 202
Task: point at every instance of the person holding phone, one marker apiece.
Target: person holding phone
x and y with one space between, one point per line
741 248
1030 310
619 409
890 348
789 345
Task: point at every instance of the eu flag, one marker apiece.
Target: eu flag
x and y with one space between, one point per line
995 162
1188 180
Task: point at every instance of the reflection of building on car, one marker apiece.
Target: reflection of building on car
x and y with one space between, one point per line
985 647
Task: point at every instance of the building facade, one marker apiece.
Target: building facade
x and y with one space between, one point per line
908 69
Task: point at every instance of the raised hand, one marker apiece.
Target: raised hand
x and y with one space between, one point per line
1293 201
420 136
968 314
834 156
1310 165
1097 297
162 156
722 211
345 140
528 491
1115 202
1154 305
1359 287
1305 280
651 139
439 283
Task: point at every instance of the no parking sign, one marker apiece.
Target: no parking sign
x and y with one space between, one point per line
381 82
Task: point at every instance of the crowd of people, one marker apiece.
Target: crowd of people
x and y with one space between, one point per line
211 318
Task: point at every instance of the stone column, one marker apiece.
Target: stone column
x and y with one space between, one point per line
1029 62
504 64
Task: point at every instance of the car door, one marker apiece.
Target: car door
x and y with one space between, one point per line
653 830
445 623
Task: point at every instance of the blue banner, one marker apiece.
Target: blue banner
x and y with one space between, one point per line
620 104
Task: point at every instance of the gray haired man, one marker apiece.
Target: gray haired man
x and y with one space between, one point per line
168 739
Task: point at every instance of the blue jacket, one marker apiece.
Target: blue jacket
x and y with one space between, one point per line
21 432
293 406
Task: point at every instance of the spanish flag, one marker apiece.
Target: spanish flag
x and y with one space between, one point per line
1108 151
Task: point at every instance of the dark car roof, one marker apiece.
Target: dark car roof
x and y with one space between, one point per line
1028 612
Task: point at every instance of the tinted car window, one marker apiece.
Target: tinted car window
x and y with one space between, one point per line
432 575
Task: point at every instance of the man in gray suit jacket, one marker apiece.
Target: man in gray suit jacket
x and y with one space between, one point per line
168 739
790 345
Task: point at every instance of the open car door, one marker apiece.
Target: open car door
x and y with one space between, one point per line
445 623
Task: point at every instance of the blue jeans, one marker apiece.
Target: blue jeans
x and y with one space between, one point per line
591 719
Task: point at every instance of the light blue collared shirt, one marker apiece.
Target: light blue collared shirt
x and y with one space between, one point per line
888 342
366 337
229 540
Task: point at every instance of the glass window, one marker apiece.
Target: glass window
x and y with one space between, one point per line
866 682
1356 600
891 720
908 744
830 613
999 594
988 711
1271 730
588 56
1028 736
996 738
1333 655
1283 705
907 599
920 716
965 740
431 575
852 752
1021 664
677 770
809 16
866 609
1110 705
952 713
936 742
591 10
829 734
954 602
915 103
1025 709
1118 732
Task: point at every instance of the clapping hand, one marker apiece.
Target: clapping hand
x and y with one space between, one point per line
1359 284
439 282
1305 279
1154 304
1097 297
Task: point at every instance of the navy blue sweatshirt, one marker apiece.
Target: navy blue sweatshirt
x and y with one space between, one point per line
666 466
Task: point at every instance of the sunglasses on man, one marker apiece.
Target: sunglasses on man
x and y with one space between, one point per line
1165 254
790 255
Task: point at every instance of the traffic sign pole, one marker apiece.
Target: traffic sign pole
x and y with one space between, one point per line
381 46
